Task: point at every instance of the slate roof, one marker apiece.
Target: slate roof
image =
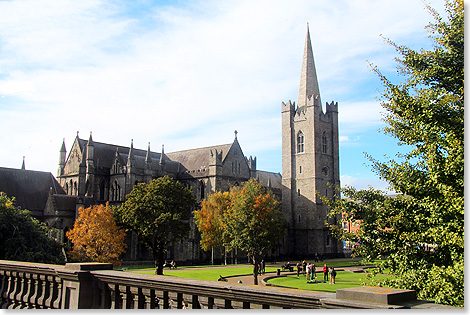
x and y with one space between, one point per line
195 159
30 188
264 177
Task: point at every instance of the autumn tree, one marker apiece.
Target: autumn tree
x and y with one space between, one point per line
24 238
209 221
96 237
421 233
254 222
159 213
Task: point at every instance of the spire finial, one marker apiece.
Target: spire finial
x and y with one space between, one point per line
23 166
236 133
308 76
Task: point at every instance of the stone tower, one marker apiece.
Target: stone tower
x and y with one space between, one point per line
310 165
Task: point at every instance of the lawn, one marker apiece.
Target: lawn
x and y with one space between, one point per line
205 273
344 279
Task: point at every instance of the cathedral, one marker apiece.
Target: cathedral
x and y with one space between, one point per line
95 173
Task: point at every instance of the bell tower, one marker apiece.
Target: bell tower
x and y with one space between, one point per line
310 165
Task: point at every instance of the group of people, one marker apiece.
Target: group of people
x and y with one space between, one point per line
170 265
311 274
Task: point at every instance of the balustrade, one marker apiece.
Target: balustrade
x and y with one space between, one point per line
94 285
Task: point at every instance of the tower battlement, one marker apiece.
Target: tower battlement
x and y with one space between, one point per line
332 107
288 107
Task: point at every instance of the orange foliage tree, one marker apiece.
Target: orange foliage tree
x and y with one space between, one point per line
96 237
209 220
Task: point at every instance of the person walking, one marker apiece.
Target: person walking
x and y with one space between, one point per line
308 272
263 267
304 267
314 270
332 275
299 267
325 273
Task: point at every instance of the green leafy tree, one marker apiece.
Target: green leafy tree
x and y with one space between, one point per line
421 233
159 213
24 238
254 222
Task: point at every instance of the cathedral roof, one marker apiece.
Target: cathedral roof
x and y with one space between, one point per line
30 188
195 159
269 179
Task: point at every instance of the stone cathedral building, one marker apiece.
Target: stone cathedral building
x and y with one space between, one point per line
95 173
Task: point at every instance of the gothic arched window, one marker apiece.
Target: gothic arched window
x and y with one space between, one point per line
324 143
300 142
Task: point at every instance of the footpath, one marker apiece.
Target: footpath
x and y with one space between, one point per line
248 279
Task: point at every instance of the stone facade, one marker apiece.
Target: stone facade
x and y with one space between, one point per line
96 173
310 165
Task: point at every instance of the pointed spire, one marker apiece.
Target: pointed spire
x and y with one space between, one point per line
162 160
23 166
62 148
148 159
90 140
130 157
308 76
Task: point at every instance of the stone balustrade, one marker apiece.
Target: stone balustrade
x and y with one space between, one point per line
98 286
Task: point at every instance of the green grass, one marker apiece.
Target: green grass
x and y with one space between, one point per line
205 273
344 279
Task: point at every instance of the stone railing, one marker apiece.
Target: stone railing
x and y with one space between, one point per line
94 285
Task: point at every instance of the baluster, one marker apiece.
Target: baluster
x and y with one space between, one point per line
16 281
153 300
128 300
228 304
9 286
30 291
44 292
23 294
37 290
179 300
195 302
3 286
140 299
210 302
57 293
166 300
117 297
50 290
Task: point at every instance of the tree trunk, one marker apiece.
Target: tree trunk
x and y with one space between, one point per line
255 271
158 256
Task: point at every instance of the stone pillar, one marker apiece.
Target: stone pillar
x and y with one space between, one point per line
79 290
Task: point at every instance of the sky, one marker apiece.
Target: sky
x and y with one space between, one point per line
187 74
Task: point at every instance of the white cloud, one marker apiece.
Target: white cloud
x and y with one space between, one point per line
183 76
365 183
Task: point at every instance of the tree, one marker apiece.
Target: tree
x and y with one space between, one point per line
159 213
96 237
254 222
24 238
209 220
421 232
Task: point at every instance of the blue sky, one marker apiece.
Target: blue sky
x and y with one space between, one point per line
186 74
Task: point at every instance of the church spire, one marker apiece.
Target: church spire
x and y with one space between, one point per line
308 77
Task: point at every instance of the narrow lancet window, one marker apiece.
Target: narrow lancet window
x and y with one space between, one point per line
300 142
